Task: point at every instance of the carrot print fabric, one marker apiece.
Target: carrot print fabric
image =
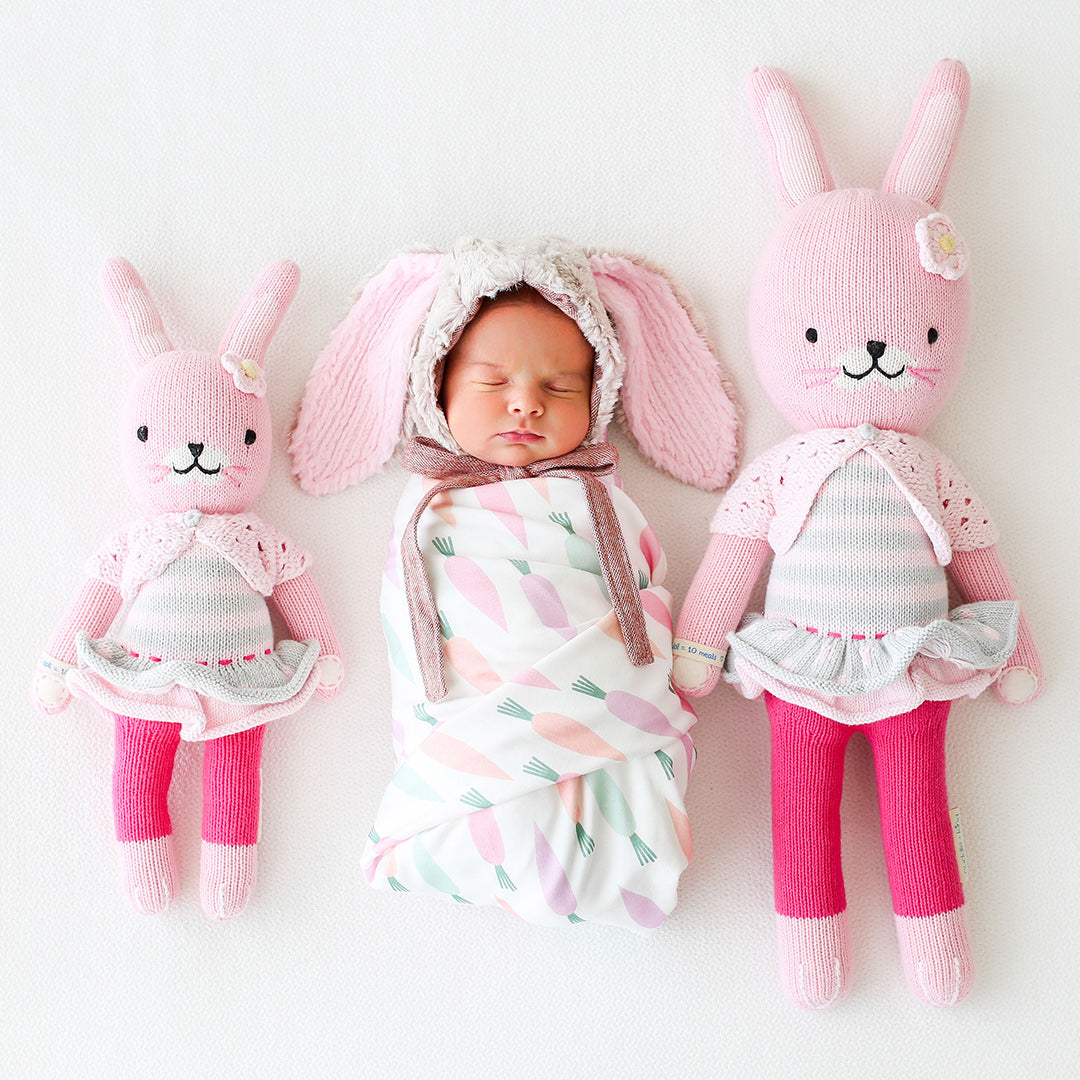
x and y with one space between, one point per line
550 779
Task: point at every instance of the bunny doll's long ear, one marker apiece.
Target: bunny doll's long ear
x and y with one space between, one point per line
798 164
136 313
350 418
921 165
260 313
674 395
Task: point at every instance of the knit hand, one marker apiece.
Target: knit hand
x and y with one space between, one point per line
692 678
1022 680
49 691
330 673
1018 685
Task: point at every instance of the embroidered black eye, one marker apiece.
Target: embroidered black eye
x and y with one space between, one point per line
931 335
811 335
249 437
143 433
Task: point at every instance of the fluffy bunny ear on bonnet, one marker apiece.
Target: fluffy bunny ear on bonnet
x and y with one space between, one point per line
358 400
674 396
351 416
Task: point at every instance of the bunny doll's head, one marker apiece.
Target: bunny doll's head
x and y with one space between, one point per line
859 310
196 426
380 377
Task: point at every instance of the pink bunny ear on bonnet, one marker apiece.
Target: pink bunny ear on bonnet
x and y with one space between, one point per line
351 415
674 395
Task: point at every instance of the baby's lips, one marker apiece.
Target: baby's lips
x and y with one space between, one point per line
520 436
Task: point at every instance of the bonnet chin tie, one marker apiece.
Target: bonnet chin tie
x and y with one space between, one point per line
428 458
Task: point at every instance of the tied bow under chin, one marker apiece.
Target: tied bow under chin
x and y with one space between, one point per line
587 466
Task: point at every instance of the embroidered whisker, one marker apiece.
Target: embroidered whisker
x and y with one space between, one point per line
924 373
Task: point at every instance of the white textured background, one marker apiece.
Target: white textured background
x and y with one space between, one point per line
201 140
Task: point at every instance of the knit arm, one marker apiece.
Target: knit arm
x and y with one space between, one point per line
714 605
981 575
93 610
302 608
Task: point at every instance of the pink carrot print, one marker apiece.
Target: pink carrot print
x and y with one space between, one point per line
650 548
390 567
388 865
385 861
564 731
682 830
484 830
541 485
641 909
507 908
532 677
569 789
553 880
635 711
471 582
496 498
545 600
458 755
656 608
467 660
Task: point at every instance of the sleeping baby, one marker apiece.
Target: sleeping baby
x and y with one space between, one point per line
542 756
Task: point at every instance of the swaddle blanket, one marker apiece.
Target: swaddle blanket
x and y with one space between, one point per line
550 778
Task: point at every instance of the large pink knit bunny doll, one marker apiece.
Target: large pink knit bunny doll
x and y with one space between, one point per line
171 633
858 327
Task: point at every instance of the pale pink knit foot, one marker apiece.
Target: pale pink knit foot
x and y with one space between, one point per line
936 955
815 959
226 878
149 872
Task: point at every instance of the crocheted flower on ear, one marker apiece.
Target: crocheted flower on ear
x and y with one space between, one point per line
246 374
941 250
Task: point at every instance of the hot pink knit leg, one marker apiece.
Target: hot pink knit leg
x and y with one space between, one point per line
230 832
142 770
808 774
909 758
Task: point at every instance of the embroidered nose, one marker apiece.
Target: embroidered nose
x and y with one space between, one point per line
875 349
196 448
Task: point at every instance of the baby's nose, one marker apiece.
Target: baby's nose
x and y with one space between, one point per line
526 400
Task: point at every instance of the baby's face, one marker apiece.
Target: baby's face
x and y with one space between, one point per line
517 386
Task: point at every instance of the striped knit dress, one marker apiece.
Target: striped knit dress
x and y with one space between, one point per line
856 624
862 565
193 643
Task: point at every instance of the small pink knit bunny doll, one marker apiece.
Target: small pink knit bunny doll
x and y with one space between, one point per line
858 327
171 633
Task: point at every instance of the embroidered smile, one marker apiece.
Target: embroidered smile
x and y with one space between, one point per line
196 449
